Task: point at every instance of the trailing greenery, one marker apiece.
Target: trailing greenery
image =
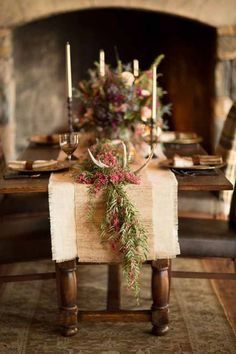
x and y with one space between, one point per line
121 226
127 235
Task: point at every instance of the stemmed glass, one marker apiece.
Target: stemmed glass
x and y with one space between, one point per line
68 143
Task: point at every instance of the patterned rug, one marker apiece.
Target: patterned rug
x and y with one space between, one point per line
28 313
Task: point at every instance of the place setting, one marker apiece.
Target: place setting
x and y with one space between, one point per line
195 165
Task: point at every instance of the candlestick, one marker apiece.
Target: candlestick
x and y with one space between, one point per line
68 71
69 87
69 113
102 62
135 68
154 93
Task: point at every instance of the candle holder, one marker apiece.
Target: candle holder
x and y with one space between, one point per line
153 136
69 113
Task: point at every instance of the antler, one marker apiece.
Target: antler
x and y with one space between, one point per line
117 142
146 162
100 164
125 154
97 162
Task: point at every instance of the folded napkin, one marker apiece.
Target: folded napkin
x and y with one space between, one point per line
30 165
182 161
204 160
167 137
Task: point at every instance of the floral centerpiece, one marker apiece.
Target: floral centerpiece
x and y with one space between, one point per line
107 171
114 104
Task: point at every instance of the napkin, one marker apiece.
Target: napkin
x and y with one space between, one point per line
182 161
30 165
204 160
167 137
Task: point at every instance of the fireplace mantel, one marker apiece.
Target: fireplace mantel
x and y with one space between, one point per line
214 13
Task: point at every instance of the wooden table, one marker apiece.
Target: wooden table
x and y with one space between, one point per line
66 271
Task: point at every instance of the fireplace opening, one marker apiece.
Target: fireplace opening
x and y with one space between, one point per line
188 67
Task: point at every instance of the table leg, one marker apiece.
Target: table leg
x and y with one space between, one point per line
160 296
67 297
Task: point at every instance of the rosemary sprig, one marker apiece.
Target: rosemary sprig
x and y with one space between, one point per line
130 236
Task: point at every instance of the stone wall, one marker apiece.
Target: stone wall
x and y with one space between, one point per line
225 77
216 13
7 94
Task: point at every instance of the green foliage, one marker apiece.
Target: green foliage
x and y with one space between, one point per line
130 237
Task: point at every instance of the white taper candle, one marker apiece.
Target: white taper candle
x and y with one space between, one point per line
102 62
135 68
154 92
68 71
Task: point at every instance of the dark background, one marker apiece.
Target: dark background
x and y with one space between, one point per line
188 67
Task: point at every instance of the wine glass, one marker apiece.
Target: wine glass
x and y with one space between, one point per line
68 143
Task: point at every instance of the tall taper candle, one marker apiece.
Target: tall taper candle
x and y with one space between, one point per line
102 62
154 92
135 68
68 71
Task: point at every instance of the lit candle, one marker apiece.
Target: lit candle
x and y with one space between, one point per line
102 62
136 68
154 92
68 71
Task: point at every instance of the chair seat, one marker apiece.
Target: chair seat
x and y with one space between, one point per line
206 238
24 239
21 204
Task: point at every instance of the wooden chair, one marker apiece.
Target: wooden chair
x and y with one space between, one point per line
209 238
21 205
208 204
25 231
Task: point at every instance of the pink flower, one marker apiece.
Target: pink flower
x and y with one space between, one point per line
124 176
108 158
117 177
146 113
130 177
145 93
115 223
128 78
83 178
100 181
122 108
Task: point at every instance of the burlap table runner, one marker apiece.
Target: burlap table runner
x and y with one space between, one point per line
73 235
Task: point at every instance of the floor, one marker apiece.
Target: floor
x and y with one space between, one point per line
225 289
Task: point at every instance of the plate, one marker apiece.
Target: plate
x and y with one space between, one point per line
169 164
171 137
58 166
45 139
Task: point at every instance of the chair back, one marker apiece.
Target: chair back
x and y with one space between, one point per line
227 148
2 158
232 215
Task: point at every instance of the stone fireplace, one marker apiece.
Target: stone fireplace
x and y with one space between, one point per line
197 70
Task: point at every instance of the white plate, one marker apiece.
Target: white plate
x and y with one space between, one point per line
58 166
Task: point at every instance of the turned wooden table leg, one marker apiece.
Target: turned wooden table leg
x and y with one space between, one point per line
160 296
67 296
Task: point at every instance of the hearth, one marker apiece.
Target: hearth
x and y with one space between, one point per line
188 68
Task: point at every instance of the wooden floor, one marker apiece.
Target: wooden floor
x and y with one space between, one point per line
225 289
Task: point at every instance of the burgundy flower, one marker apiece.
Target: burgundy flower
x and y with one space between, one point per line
83 178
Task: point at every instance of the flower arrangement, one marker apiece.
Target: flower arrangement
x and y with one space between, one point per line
107 171
113 104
